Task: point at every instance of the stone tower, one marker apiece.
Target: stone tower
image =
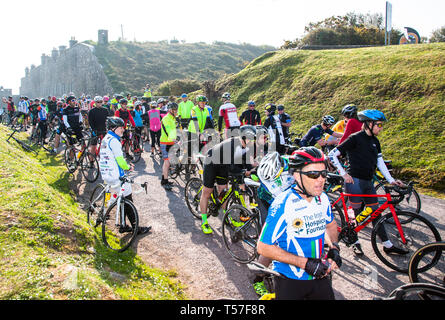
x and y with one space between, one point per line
102 37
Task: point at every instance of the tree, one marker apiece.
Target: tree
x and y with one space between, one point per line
438 35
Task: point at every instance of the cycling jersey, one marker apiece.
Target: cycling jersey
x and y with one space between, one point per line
298 227
251 117
168 132
285 118
353 126
126 116
313 135
198 118
72 117
338 127
97 118
273 125
185 109
42 113
227 112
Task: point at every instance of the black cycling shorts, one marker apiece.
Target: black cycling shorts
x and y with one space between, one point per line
292 289
215 173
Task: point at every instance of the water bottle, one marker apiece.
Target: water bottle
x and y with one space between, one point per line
363 215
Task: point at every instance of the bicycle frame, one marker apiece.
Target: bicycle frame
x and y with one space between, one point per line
387 204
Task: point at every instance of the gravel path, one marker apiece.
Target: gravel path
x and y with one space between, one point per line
176 242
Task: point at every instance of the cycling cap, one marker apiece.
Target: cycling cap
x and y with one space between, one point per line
123 101
251 103
248 132
271 166
172 105
114 122
305 156
270 107
70 98
349 110
201 99
328 120
98 98
371 115
226 96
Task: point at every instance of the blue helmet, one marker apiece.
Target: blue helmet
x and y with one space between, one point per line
371 115
251 103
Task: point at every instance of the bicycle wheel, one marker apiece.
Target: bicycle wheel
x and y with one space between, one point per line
339 215
89 168
112 234
418 291
240 234
135 150
70 159
193 191
427 264
411 203
418 232
27 147
96 206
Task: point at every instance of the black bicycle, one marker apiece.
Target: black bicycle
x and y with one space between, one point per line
23 144
78 155
427 264
416 291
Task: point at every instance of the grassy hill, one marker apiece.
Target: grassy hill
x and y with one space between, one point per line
407 83
48 251
130 65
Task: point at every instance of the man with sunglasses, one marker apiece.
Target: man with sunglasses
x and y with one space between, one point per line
364 155
293 235
97 118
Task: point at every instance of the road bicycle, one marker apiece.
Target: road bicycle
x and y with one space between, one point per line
134 144
78 155
416 291
241 226
112 211
427 264
23 144
404 228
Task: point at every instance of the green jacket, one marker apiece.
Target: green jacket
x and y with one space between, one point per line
168 129
185 109
199 118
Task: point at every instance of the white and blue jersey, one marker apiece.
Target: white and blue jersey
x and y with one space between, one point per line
298 227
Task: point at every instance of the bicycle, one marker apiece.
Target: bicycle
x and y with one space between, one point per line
416 291
402 225
108 210
134 144
241 227
420 267
75 156
23 144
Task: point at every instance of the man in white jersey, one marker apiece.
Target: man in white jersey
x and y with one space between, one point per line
228 114
294 232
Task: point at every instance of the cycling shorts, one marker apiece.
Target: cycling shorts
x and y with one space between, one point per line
293 289
215 173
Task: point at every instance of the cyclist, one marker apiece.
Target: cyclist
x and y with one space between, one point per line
184 110
294 232
10 107
250 116
72 119
315 134
273 124
162 106
228 157
353 125
154 119
167 140
112 165
137 111
286 121
227 113
125 115
97 118
364 155
147 92
61 126
42 122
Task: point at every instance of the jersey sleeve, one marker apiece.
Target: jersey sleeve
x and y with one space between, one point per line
275 226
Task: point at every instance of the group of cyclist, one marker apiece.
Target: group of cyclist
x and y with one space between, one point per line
291 190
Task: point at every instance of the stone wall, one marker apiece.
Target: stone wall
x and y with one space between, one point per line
75 69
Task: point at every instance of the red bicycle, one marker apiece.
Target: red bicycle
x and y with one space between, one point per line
405 229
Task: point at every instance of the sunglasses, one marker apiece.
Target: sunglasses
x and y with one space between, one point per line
379 125
315 174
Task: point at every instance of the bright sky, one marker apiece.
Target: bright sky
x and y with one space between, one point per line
30 28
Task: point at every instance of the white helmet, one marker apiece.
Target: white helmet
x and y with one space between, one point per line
271 166
98 98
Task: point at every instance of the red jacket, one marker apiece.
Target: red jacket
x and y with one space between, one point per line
352 126
126 116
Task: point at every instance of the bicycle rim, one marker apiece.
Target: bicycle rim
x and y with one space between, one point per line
193 191
418 232
240 235
418 291
427 264
96 207
112 237
90 168
70 159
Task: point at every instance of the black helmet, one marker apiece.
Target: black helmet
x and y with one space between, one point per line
305 156
114 122
123 101
271 108
70 98
328 120
172 105
349 110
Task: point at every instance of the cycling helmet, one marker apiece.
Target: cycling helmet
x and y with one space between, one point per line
280 107
226 96
172 105
137 103
54 99
70 98
248 132
123 101
161 100
271 108
271 166
106 98
201 99
261 130
251 103
114 122
98 98
328 120
371 115
305 156
349 110
183 95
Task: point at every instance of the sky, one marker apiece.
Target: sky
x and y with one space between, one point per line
30 28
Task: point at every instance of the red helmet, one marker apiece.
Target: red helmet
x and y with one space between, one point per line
53 98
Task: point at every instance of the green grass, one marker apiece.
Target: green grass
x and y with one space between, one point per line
48 251
407 83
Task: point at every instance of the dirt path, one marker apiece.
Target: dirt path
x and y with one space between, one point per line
207 270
